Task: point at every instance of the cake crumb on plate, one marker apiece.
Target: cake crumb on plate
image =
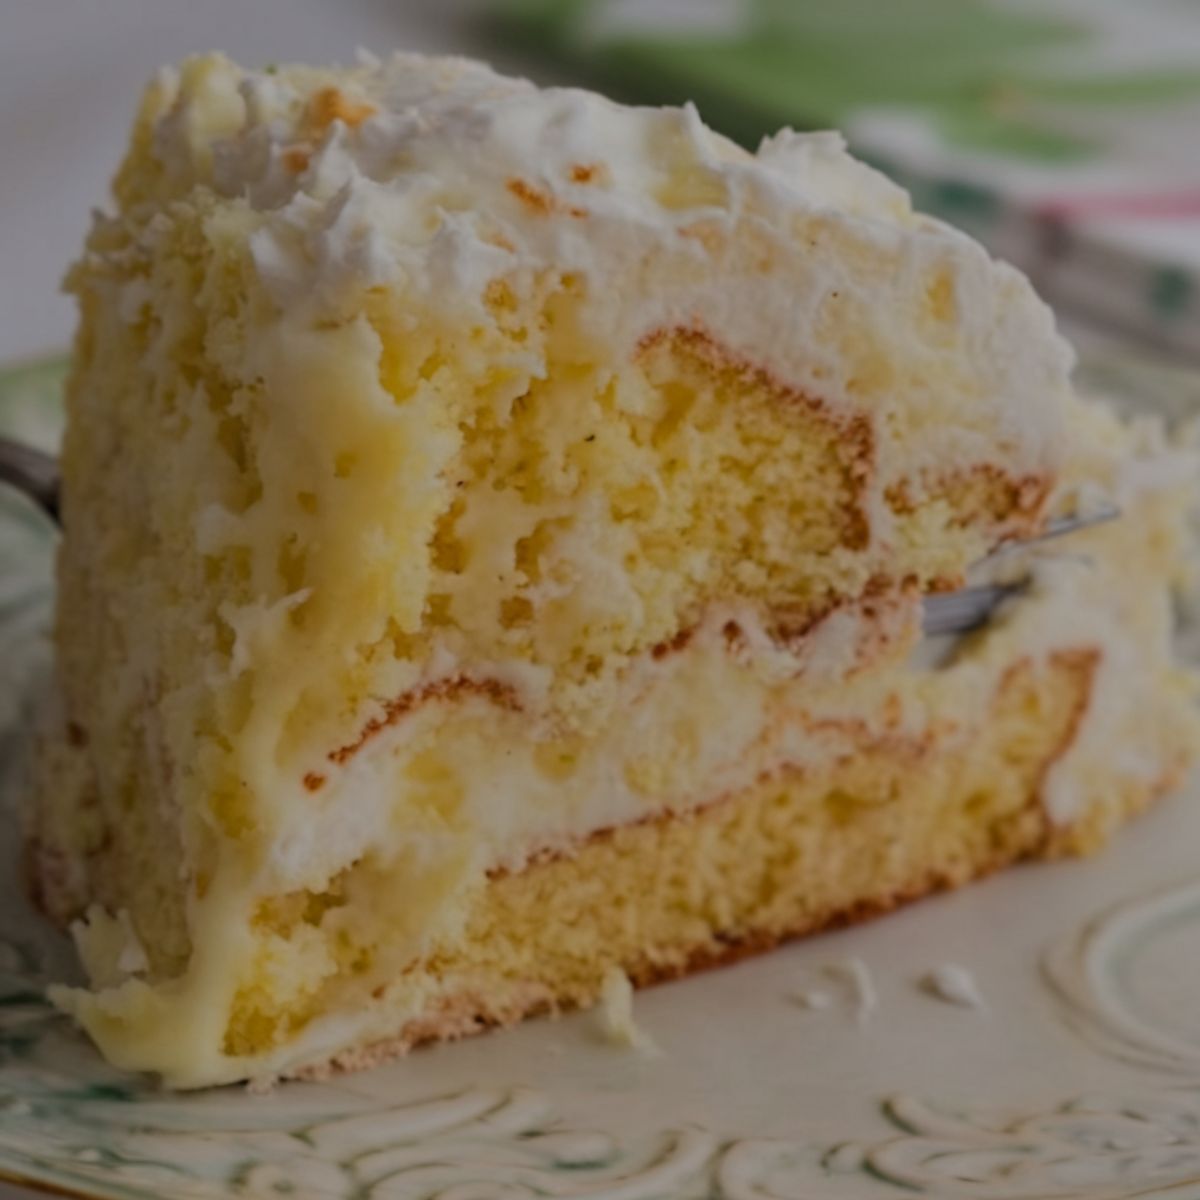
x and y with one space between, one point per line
954 985
615 1014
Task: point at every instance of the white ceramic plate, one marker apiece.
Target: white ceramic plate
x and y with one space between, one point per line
1079 1078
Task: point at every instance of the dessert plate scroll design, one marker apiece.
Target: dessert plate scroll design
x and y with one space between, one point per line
1090 973
67 1120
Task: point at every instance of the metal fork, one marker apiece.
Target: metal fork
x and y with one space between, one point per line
32 472
972 607
36 474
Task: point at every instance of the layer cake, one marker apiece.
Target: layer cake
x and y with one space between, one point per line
496 528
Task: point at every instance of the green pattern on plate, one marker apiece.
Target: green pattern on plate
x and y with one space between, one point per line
31 411
30 401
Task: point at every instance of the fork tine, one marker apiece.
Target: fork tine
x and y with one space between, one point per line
32 472
1069 524
966 609
970 607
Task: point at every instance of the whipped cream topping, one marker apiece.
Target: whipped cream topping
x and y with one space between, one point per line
433 177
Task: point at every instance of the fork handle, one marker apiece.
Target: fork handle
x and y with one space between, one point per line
32 472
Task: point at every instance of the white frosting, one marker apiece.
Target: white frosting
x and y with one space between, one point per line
459 176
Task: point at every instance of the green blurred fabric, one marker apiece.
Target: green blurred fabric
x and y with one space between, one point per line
991 75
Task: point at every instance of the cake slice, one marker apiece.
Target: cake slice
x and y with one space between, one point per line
496 527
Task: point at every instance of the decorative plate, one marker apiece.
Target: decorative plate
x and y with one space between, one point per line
1061 1063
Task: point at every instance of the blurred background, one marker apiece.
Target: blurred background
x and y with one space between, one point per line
1064 133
